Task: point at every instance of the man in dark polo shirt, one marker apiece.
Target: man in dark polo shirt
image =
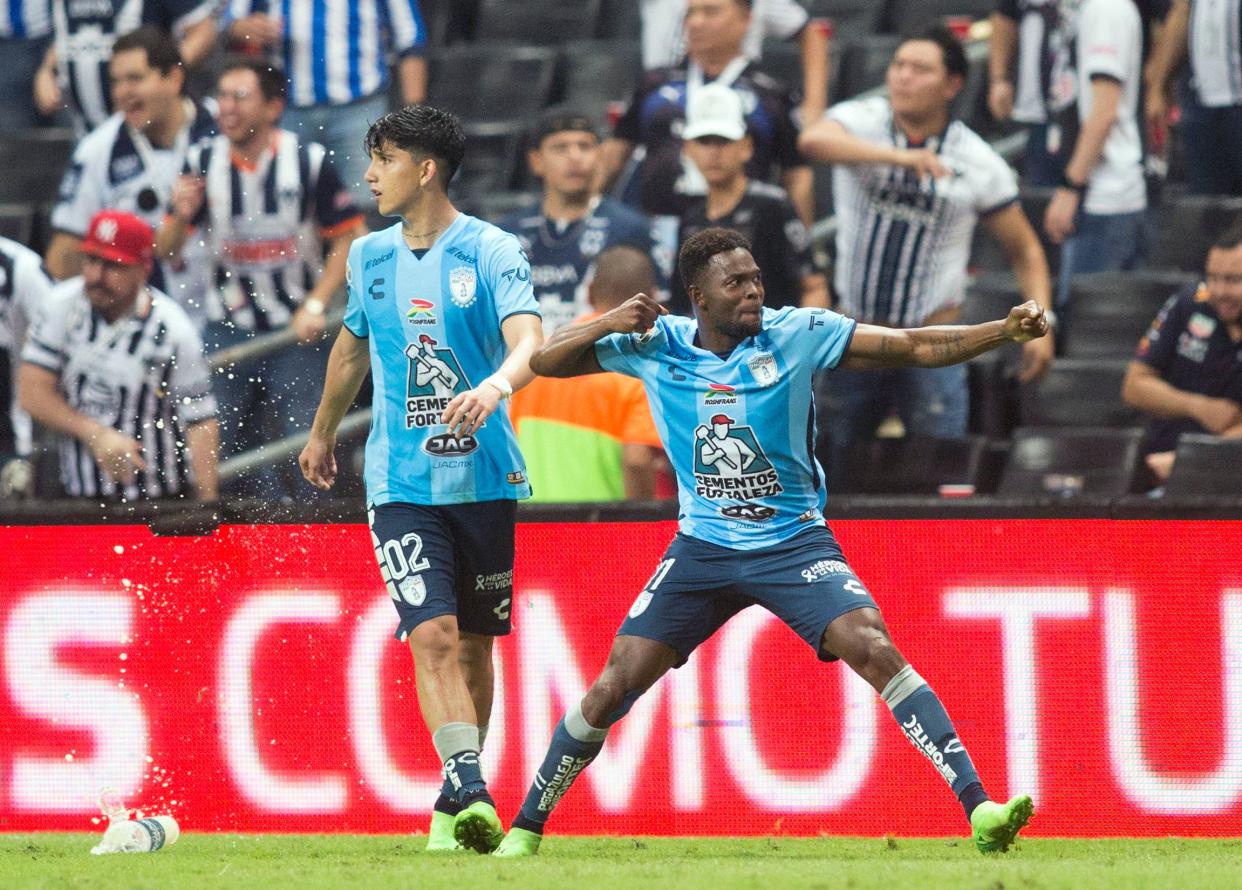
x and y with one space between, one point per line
1188 371
715 30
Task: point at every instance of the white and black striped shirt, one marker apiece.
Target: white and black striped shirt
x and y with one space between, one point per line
24 290
115 167
265 226
1215 45
85 31
903 244
144 374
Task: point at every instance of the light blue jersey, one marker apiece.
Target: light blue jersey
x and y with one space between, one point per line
740 431
434 330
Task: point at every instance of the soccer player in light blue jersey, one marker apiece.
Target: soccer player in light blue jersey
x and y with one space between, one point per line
442 314
731 394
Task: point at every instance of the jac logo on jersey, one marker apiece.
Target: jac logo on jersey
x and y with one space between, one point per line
421 312
730 463
447 445
434 377
720 394
748 512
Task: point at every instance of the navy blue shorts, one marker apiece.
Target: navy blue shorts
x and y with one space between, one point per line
454 559
698 586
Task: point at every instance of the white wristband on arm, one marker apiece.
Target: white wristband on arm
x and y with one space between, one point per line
501 383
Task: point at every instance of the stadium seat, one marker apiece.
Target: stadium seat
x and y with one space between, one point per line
17 222
989 297
491 162
911 465
1069 462
33 162
905 15
1205 466
850 18
619 20
1188 225
864 62
545 22
1077 393
1109 311
992 381
592 73
491 82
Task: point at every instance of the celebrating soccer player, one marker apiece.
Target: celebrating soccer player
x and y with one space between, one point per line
441 309
752 529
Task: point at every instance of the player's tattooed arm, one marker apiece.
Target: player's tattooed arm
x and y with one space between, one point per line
570 352
934 347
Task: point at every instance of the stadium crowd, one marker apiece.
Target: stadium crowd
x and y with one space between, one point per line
168 309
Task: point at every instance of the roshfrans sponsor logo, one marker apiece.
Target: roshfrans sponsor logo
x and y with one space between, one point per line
720 394
421 312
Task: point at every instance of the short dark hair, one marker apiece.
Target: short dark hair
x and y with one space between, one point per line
562 120
700 247
620 272
950 47
272 81
1230 238
424 129
159 45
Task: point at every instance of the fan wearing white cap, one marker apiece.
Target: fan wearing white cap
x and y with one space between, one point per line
717 142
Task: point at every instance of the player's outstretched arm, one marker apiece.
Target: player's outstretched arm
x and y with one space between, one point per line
934 347
347 368
570 352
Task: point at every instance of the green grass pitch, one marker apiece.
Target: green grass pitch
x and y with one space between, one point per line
352 861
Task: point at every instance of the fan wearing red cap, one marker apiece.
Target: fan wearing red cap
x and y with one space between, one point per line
117 368
116 261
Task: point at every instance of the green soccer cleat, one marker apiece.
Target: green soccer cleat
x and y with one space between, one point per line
519 843
996 825
478 828
440 835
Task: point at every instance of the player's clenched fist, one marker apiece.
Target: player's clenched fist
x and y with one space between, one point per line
637 315
1026 322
